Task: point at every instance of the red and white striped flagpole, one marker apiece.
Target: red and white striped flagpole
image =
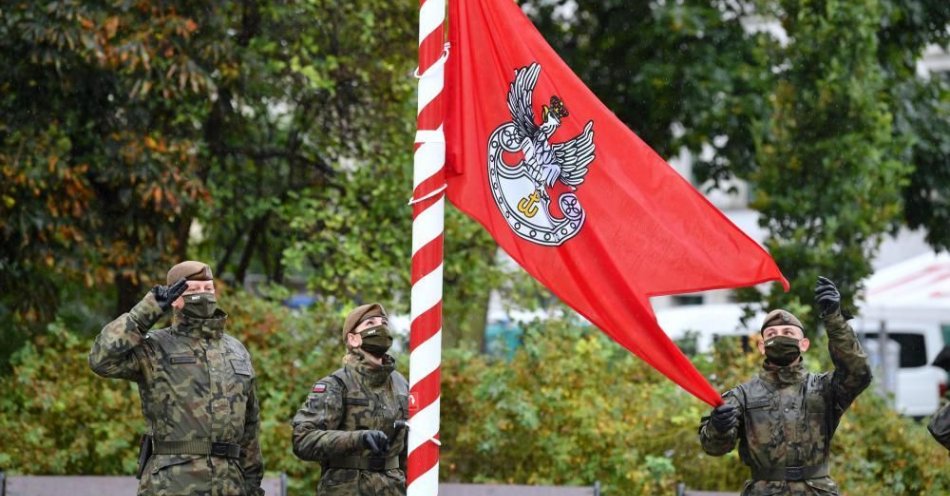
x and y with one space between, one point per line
428 219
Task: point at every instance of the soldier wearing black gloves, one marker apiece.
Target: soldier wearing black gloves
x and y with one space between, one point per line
784 419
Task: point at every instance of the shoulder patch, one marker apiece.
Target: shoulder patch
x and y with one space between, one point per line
319 387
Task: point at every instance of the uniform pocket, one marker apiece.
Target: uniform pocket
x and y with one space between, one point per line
173 474
397 475
339 480
241 366
823 486
161 463
764 488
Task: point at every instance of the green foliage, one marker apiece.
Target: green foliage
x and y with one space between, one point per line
829 180
572 407
832 128
57 417
268 138
680 74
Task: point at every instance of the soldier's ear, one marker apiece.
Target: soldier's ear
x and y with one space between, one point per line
179 303
804 344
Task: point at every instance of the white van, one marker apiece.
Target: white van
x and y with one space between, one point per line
911 300
917 386
695 328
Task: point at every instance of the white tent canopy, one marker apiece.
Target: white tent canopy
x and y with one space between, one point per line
922 282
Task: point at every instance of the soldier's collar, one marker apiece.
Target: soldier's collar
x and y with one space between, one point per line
373 375
211 328
784 376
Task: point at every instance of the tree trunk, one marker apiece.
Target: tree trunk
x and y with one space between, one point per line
128 293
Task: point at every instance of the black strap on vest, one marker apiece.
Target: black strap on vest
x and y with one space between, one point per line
372 463
791 473
223 450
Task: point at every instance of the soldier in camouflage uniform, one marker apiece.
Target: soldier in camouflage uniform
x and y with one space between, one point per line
784 419
352 420
197 389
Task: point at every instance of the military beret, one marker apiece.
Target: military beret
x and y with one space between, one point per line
190 270
361 313
781 317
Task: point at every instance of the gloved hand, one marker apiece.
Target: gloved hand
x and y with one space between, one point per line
827 296
165 295
375 441
724 417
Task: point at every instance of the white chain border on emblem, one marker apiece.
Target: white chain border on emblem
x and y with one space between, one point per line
568 202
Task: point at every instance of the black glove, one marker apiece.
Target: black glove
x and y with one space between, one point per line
165 295
827 296
724 417
375 441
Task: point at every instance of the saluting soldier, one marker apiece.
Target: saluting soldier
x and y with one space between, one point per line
197 389
352 422
784 419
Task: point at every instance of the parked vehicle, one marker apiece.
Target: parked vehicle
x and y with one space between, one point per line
916 385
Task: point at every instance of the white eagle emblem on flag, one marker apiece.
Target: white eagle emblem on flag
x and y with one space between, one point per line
523 191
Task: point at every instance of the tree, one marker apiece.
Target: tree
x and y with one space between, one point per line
829 179
97 176
281 130
833 141
679 74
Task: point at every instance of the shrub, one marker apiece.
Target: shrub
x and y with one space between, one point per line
570 408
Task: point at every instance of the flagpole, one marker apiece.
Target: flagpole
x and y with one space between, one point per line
428 219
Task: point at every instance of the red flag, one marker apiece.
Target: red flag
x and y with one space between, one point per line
574 196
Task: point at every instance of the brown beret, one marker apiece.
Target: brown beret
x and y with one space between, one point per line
781 317
361 313
190 270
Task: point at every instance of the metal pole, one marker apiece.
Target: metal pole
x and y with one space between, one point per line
428 219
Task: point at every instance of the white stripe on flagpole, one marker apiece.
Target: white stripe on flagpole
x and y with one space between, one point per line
428 225
425 359
424 425
429 159
426 293
430 84
428 483
431 16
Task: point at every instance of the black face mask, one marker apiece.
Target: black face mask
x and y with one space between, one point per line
376 340
200 305
782 350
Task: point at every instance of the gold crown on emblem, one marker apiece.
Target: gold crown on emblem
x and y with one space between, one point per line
556 107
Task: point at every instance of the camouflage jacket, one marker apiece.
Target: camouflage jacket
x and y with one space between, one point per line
939 426
196 384
788 417
326 428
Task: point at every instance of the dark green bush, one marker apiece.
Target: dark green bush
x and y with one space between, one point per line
570 408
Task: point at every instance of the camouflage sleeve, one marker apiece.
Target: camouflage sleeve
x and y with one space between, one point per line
939 426
852 371
717 443
316 437
251 459
113 353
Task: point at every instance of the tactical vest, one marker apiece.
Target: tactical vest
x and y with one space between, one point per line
786 430
365 409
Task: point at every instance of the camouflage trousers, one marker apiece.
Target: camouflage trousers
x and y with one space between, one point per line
823 486
352 482
191 475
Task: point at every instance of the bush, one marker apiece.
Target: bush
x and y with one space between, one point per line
570 408
573 408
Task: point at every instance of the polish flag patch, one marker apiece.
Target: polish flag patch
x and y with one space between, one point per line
319 388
